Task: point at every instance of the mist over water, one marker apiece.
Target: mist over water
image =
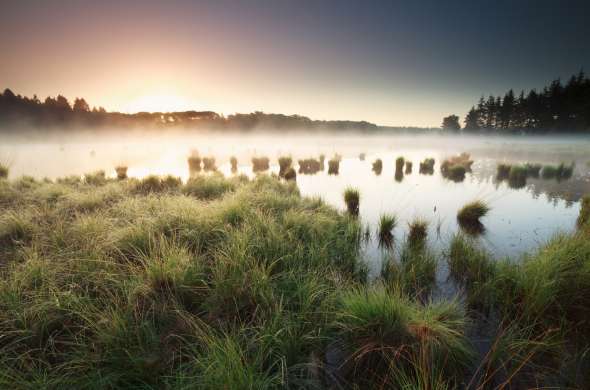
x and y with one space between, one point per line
519 221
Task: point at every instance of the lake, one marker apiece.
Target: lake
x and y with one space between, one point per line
520 218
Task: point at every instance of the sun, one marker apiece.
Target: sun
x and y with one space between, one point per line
158 103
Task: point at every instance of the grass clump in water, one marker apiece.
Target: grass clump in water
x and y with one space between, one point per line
290 174
260 164
209 164
584 217
233 161
387 223
456 167
3 171
334 165
408 170
285 163
362 156
417 232
121 172
310 166
427 166
503 171
470 214
378 166
517 176
559 172
352 198
156 184
194 163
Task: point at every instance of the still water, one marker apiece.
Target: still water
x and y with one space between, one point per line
520 219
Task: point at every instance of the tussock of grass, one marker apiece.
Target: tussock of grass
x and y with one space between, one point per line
121 172
456 167
209 164
377 166
310 166
408 168
95 178
362 156
393 338
471 213
417 232
3 171
207 188
290 174
387 223
234 164
285 163
427 166
503 170
156 184
399 164
558 172
334 165
584 217
194 163
352 199
260 164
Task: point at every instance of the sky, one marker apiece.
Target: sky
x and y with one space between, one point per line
398 63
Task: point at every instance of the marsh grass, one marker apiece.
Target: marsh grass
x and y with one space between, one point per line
558 172
121 172
469 216
584 216
417 232
387 222
209 164
399 164
95 178
194 163
377 166
455 168
503 171
234 164
334 165
3 171
427 166
408 170
517 176
156 184
310 166
260 164
285 163
290 174
352 200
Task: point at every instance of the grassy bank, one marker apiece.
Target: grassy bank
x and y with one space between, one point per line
244 284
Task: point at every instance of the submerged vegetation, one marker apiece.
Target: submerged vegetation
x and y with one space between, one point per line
237 283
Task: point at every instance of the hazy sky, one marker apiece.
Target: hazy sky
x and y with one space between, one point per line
389 62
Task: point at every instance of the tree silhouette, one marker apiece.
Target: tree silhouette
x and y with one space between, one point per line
451 122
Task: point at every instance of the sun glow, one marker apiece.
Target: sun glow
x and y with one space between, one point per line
159 103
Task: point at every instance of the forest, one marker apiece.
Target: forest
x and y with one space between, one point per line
557 108
17 112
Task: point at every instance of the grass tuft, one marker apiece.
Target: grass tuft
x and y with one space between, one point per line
387 223
470 214
352 199
121 172
584 217
260 164
427 166
377 166
418 232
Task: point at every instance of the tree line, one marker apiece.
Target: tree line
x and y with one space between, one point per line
556 108
18 111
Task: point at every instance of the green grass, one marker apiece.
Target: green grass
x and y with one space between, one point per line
387 223
471 213
352 198
584 217
237 283
417 232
